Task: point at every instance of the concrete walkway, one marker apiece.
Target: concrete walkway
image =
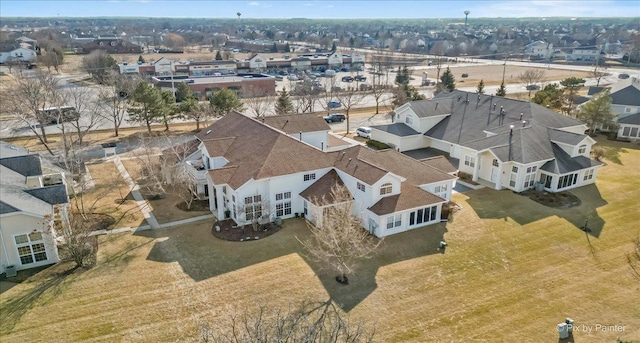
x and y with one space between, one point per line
135 192
147 227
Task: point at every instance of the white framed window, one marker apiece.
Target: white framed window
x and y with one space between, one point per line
224 189
625 131
408 120
514 169
253 207
30 247
469 161
567 180
386 188
283 204
582 149
494 163
440 189
394 221
306 208
588 175
529 180
360 186
532 169
512 179
309 177
634 132
423 215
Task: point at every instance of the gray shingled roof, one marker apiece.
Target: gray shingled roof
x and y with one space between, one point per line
6 208
28 165
52 195
397 129
628 96
633 119
563 163
10 150
595 90
428 108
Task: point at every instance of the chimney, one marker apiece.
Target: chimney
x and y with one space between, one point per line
511 132
300 135
520 115
524 123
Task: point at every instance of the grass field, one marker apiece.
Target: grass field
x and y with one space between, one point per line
512 270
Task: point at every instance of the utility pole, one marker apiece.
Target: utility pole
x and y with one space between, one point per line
504 68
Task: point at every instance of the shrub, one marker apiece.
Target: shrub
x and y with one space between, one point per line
377 145
598 153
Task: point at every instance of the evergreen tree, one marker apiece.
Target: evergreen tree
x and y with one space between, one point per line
283 103
224 101
275 47
480 89
169 108
287 48
448 80
183 92
146 105
140 59
334 47
218 56
352 42
502 91
596 113
550 96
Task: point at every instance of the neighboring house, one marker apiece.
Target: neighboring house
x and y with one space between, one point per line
584 54
255 170
539 50
625 105
32 206
18 55
502 142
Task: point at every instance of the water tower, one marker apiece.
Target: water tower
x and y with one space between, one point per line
466 15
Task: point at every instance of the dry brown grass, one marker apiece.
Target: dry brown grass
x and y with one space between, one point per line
492 74
106 196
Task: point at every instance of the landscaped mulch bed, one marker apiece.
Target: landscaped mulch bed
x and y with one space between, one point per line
467 178
560 200
242 233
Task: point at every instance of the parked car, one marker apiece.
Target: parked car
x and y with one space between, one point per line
360 78
623 76
465 75
365 87
533 87
334 117
293 77
279 77
364 132
359 68
334 104
347 79
344 69
330 73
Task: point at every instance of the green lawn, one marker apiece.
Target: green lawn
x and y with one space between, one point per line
512 270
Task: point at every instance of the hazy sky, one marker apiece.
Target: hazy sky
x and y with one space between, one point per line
321 9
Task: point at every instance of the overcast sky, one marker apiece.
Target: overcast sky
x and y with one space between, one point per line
321 9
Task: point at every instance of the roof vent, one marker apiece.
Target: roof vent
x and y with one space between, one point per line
208 132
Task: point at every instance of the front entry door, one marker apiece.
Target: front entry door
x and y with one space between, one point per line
494 170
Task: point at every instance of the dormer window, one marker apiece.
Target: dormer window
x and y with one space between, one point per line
582 149
386 188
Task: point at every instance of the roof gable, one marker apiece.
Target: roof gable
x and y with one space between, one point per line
295 123
26 165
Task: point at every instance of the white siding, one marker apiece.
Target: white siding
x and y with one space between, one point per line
18 224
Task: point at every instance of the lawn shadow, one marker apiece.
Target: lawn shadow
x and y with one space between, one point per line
492 204
16 307
203 256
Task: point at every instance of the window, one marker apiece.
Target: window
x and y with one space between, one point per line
532 169
308 177
440 189
408 120
386 188
360 186
567 180
529 180
514 169
512 179
306 210
30 247
224 189
588 175
625 131
253 207
469 161
283 204
423 215
634 132
394 221
582 149
494 163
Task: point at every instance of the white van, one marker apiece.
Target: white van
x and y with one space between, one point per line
364 132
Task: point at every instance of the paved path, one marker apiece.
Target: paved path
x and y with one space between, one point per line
135 191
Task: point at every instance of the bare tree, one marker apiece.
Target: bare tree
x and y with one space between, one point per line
29 96
380 83
256 210
530 77
338 240
152 178
114 98
178 173
307 96
328 93
349 98
87 108
306 322
259 105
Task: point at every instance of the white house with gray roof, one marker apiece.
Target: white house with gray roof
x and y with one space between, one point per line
625 106
502 142
32 205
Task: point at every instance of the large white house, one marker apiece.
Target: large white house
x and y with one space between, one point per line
31 206
502 142
284 167
625 106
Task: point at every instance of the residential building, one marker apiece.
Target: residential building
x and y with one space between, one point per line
539 50
588 53
32 206
625 106
504 143
283 168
